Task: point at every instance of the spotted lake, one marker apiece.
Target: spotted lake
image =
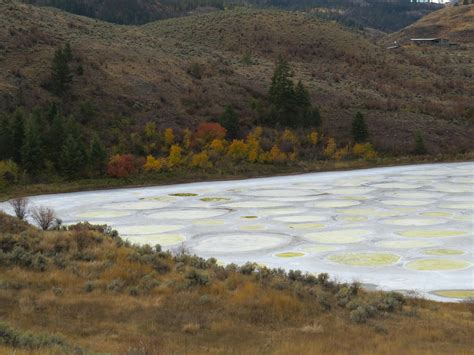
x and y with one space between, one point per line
407 228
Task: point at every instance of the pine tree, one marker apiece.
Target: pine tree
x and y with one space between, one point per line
60 73
420 148
302 97
18 135
230 121
359 129
73 157
97 157
6 139
282 95
31 151
55 139
67 52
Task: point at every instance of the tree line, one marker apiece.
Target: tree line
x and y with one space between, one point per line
45 142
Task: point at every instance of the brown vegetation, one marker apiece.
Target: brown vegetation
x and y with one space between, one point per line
86 289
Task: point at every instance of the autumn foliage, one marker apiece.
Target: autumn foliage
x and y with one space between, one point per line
122 166
207 148
208 131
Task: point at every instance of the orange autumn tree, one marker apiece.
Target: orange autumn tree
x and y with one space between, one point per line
122 166
208 131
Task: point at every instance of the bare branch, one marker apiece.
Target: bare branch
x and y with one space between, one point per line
44 217
20 206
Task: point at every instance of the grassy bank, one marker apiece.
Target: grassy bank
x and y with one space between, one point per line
85 290
242 171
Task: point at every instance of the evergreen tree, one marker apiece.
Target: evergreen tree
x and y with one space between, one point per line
307 115
290 105
302 97
97 157
31 151
67 52
309 118
18 135
60 73
282 96
420 148
6 138
360 132
230 121
73 158
55 139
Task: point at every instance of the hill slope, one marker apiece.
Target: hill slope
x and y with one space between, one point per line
453 22
383 15
146 73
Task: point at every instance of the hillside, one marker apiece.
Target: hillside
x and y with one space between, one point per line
382 15
84 290
132 75
453 22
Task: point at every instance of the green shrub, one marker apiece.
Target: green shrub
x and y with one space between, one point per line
12 337
116 285
133 291
195 278
362 313
390 302
9 173
89 286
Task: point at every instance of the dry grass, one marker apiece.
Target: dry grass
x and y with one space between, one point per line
95 293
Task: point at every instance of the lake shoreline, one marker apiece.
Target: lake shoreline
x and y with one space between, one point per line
191 177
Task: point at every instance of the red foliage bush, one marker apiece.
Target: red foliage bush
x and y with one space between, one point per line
208 131
121 166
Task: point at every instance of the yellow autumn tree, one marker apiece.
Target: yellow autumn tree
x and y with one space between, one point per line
289 136
253 146
341 153
217 146
276 155
175 157
169 137
150 131
187 138
256 133
313 137
153 164
237 150
330 148
364 150
201 160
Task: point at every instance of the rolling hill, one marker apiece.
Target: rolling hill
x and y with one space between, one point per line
383 15
453 22
134 74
